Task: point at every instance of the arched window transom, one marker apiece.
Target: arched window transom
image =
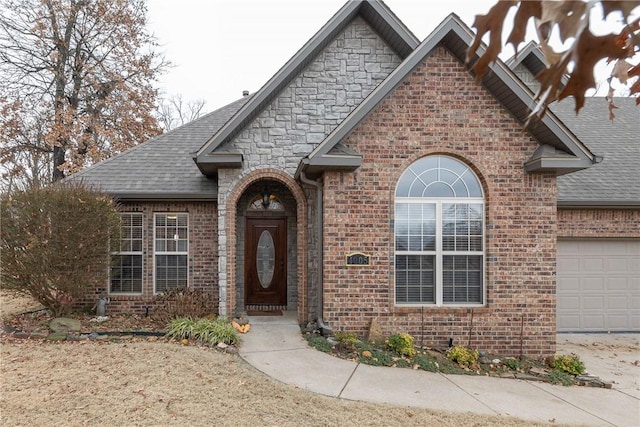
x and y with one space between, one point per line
439 234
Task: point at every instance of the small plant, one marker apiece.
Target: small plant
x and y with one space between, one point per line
319 343
346 339
182 302
463 356
513 364
209 331
402 344
568 363
427 362
560 377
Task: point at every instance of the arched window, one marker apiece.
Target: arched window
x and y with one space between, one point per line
439 234
268 203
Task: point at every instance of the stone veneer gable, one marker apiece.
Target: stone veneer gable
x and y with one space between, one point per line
317 100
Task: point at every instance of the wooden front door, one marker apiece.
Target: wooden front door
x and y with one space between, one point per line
265 261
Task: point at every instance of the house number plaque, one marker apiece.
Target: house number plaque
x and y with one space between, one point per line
357 259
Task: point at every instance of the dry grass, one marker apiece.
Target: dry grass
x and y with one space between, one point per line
159 383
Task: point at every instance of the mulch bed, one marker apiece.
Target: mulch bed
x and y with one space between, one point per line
36 322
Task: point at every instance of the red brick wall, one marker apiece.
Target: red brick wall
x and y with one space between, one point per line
203 254
440 110
598 223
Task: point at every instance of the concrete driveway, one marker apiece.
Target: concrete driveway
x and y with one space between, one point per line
612 357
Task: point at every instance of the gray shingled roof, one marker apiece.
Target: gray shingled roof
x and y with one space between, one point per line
616 180
162 168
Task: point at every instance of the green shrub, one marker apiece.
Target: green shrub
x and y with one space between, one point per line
319 343
427 362
54 243
346 339
402 344
568 363
560 377
463 356
182 302
513 364
212 332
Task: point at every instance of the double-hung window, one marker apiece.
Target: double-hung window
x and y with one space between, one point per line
439 234
171 237
125 275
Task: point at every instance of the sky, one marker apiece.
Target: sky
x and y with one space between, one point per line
219 48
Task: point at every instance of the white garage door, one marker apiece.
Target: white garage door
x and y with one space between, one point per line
598 286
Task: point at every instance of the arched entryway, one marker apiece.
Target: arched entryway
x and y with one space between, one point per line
267 258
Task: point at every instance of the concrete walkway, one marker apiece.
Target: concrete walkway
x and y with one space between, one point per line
276 347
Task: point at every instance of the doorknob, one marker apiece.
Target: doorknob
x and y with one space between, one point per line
281 263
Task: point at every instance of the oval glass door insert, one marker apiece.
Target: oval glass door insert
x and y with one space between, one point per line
265 259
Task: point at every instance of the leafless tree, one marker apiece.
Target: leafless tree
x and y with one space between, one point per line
174 112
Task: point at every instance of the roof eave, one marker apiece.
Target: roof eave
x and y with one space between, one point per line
210 163
599 204
560 166
163 196
329 162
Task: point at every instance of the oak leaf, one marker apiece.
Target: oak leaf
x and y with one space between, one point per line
491 23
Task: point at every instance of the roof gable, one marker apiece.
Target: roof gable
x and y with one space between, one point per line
375 13
454 35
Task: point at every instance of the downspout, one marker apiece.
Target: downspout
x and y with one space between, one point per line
324 329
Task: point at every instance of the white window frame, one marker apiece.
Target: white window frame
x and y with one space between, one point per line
157 253
140 253
439 253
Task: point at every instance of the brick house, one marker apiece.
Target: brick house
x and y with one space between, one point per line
372 177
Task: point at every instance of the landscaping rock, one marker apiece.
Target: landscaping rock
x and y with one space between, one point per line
310 327
592 381
222 346
375 331
332 341
538 371
57 336
528 377
231 350
64 324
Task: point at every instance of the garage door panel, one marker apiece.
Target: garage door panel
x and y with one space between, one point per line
593 284
598 285
596 321
617 284
591 264
617 265
593 302
569 303
569 264
569 321
570 285
617 321
617 303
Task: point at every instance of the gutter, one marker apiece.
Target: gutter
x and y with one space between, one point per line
324 329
